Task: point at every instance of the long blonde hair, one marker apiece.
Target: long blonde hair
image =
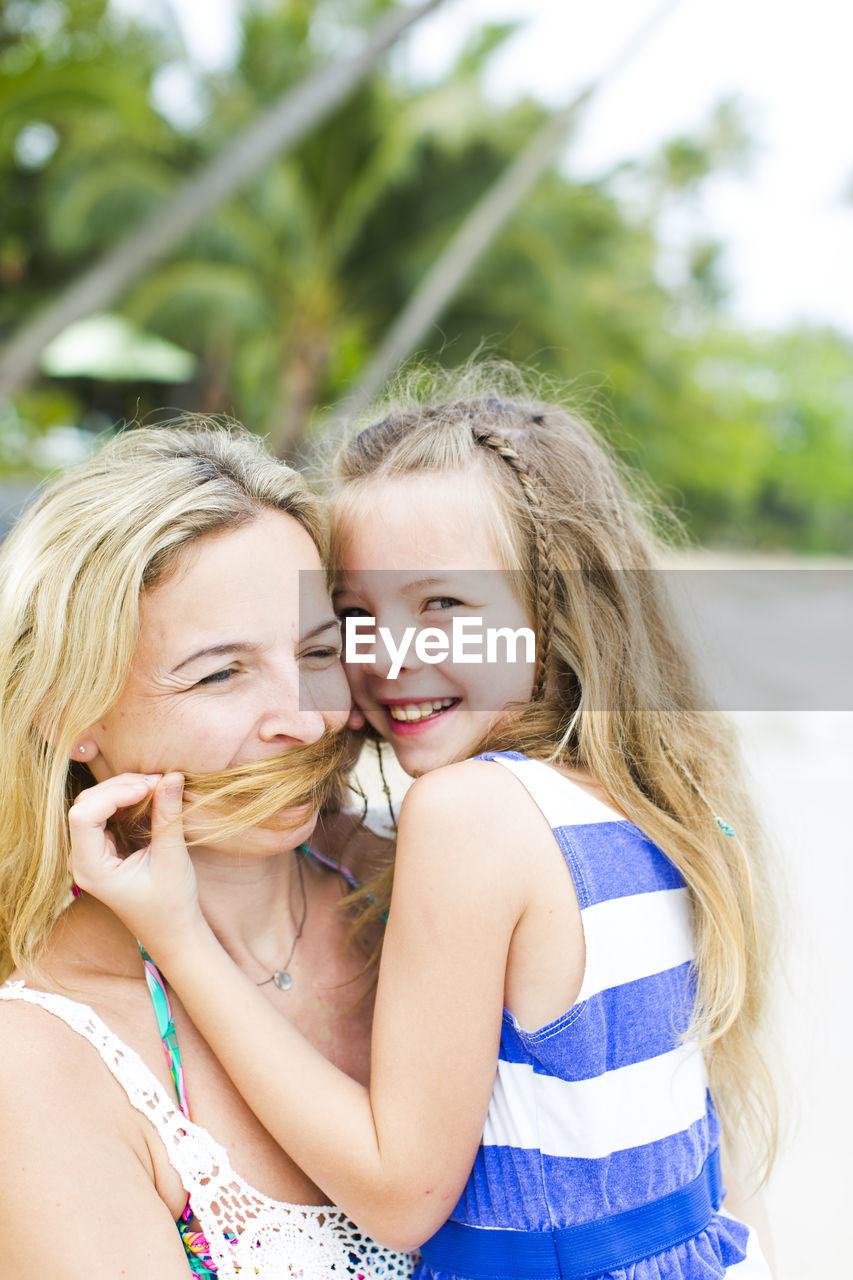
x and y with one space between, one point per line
71 576
615 692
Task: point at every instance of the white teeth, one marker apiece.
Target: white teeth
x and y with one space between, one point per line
413 711
400 713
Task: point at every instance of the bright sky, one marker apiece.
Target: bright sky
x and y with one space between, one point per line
788 224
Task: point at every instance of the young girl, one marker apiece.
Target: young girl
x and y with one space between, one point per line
574 964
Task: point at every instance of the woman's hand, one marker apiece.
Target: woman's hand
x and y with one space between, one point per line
152 890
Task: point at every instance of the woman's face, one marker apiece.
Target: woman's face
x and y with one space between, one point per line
237 659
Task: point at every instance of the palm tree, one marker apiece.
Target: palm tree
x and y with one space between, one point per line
282 289
286 121
473 238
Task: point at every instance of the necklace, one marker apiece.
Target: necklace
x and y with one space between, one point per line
281 977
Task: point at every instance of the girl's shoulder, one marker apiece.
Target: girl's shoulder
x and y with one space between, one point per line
472 806
479 786
507 810
470 787
468 845
571 794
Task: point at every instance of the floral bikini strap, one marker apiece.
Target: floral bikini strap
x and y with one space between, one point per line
165 1026
195 1245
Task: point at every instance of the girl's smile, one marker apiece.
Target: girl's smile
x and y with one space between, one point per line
411 716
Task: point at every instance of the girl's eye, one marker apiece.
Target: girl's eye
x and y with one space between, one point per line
352 611
442 602
218 677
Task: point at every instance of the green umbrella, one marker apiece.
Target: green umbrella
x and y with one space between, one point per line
110 348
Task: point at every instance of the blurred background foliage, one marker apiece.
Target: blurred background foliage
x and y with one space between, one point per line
278 299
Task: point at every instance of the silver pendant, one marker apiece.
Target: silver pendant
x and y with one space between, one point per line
282 980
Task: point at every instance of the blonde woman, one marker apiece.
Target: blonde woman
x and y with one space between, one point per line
151 619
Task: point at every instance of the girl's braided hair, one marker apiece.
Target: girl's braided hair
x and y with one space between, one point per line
543 569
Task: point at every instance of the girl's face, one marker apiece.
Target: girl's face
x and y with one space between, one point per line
236 660
420 554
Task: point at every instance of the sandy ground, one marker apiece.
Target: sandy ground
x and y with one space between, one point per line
803 765
779 634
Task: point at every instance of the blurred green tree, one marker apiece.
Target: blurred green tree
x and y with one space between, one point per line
284 291
268 136
83 151
82 148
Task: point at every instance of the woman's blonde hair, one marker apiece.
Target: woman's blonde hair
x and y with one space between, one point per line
615 691
71 575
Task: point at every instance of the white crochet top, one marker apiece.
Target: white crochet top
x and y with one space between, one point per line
275 1241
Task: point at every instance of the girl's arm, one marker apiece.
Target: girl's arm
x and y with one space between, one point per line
76 1176
396 1157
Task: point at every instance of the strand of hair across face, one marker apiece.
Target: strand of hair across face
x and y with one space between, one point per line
544 572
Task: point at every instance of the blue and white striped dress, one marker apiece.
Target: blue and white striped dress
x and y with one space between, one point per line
603 1110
